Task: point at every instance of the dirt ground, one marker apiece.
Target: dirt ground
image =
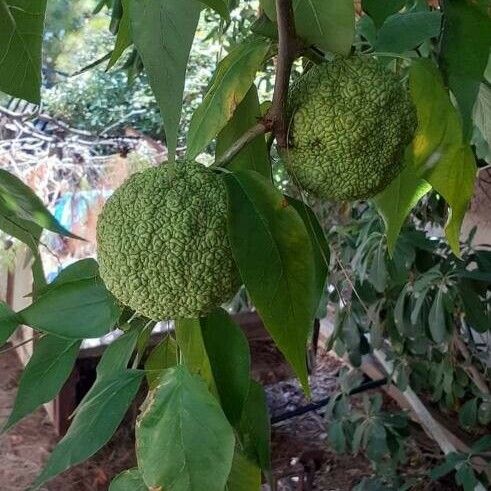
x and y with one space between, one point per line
299 447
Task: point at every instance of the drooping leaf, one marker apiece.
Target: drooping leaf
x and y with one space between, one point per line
233 78
403 32
163 33
475 309
49 367
231 365
464 53
436 319
163 356
253 156
76 310
438 151
129 480
17 200
182 419
396 201
255 428
244 475
95 421
379 10
220 6
21 37
123 38
27 232
274 254
328 25
8 323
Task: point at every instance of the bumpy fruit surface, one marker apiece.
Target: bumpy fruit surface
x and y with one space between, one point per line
350 121
162 242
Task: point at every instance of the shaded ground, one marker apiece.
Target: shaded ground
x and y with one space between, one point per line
299 447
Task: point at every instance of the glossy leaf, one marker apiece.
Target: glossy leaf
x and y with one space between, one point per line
180 418
244 476
8 323
129 480
17 200
438 151
328 25
230 366
95 421
21 37
274 254
379 10
163 356
77 310
397 200
163 33
253 156
27 232
403 32
464 53
233 78
255 428
123 38
51 363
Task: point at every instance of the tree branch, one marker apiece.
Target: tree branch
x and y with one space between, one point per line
275 119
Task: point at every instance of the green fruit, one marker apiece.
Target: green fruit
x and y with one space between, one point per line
162 242
350 121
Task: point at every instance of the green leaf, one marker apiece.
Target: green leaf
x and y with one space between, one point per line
438 151
253 156
233 78
403 32
51 363
8 323
465 477
230 366
274 254
320 247
482 445
77 310
475 309
464 53
329 25
95 421
163 356
396 201
21 37
468 413
123 38
181 419
19 201
336 436
129 480
452 459
163 33
244 476
27 232
255 428
436 319
379 10
220 6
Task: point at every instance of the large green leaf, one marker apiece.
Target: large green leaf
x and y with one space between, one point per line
129 480
403 32
244 476
8 323
253 156
379 10
123 38
183 440
19 201
118 354
27 232
255 428
163 33
274 254
21 37
232 80
77 310
397 200
329 25
47 370
230 361
465 52
95 421
163 356
438 151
